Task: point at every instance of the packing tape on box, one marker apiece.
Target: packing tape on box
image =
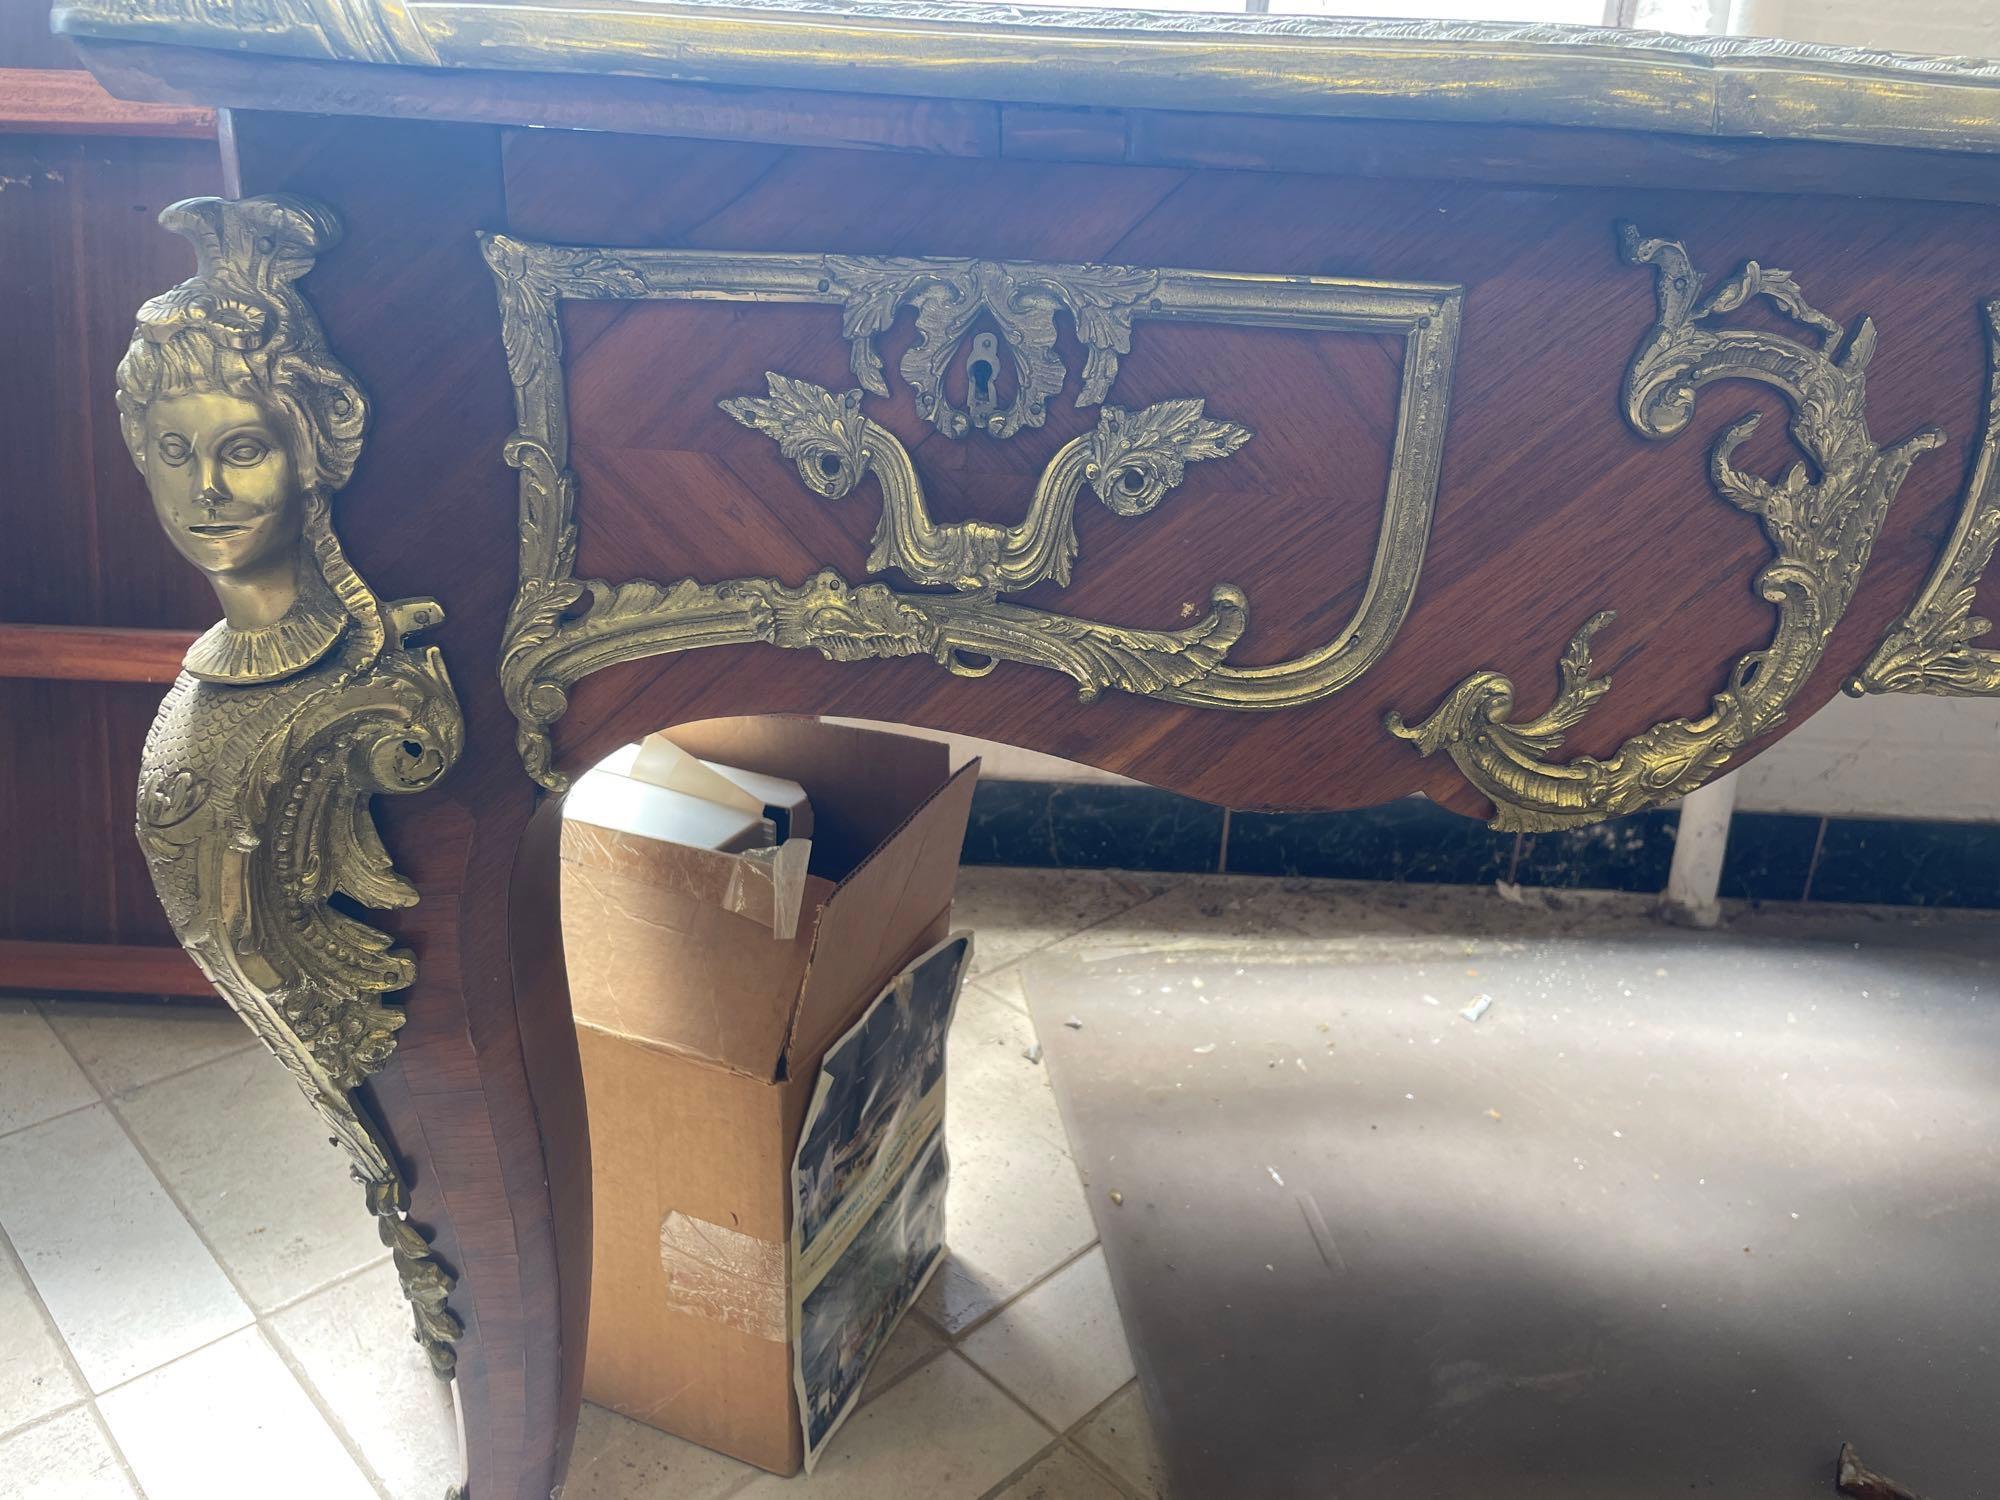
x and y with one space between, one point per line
725 1276
765 886
769 886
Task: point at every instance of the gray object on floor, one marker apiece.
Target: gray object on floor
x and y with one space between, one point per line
1677 1213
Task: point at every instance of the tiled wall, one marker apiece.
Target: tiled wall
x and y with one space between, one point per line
1772 856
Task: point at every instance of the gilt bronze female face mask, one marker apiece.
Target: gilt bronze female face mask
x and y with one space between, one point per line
226 490
243 425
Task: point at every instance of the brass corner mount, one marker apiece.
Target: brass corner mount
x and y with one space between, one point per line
1822 530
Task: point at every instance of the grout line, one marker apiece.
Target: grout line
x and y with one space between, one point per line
1098 1410
276 1344
997 998
270 1336
1033 1415
1126 910
75 1403
61 1114
257 1317
1016 1475
202 1347
1127 1488
279 1309
12 1257
870 1391
117 1452
1034 1286
104 1091
1812 864
1126 1485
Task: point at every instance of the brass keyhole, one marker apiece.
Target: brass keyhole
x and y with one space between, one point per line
982 363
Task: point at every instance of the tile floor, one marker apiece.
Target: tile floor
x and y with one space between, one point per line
193 1303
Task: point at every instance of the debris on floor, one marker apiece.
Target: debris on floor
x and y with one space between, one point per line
1033 1053
1863 1483
1479 1006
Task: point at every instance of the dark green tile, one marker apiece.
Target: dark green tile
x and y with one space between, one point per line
1409 840
1064 825
1909 863
1620 854
1768 857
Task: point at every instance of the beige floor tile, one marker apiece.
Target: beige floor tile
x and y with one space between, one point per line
353 1344
1017 911
250 1160
1016 1209
124 1046
1061 1348
35 1379
1121 1438
229 1420
943 1434
913 1342
127 1282
38 1079
619 1459
1061 1476
63 1458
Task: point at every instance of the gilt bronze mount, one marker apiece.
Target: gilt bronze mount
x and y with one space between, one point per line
562 627
301 704
1822 520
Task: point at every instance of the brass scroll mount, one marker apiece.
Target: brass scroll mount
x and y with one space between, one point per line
562 627
1822 529
1930 649
1130 460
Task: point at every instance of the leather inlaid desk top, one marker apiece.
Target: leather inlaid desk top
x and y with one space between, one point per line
1292 413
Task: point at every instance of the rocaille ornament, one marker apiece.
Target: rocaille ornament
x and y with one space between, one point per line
302 703
562 628
1822 521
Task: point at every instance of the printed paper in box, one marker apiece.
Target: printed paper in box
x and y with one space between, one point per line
868 1187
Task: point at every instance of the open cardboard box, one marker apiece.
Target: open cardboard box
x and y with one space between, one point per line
701 1037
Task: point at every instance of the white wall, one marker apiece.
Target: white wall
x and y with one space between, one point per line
1964 27
1890 757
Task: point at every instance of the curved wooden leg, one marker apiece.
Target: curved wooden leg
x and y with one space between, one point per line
483 1103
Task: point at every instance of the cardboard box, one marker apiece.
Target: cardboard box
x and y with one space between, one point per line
701 1035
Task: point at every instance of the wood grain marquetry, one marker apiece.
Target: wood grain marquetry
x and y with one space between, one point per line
86 653
100 968
49 101
86 578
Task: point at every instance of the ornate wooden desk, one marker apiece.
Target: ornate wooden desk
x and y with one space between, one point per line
1291 413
